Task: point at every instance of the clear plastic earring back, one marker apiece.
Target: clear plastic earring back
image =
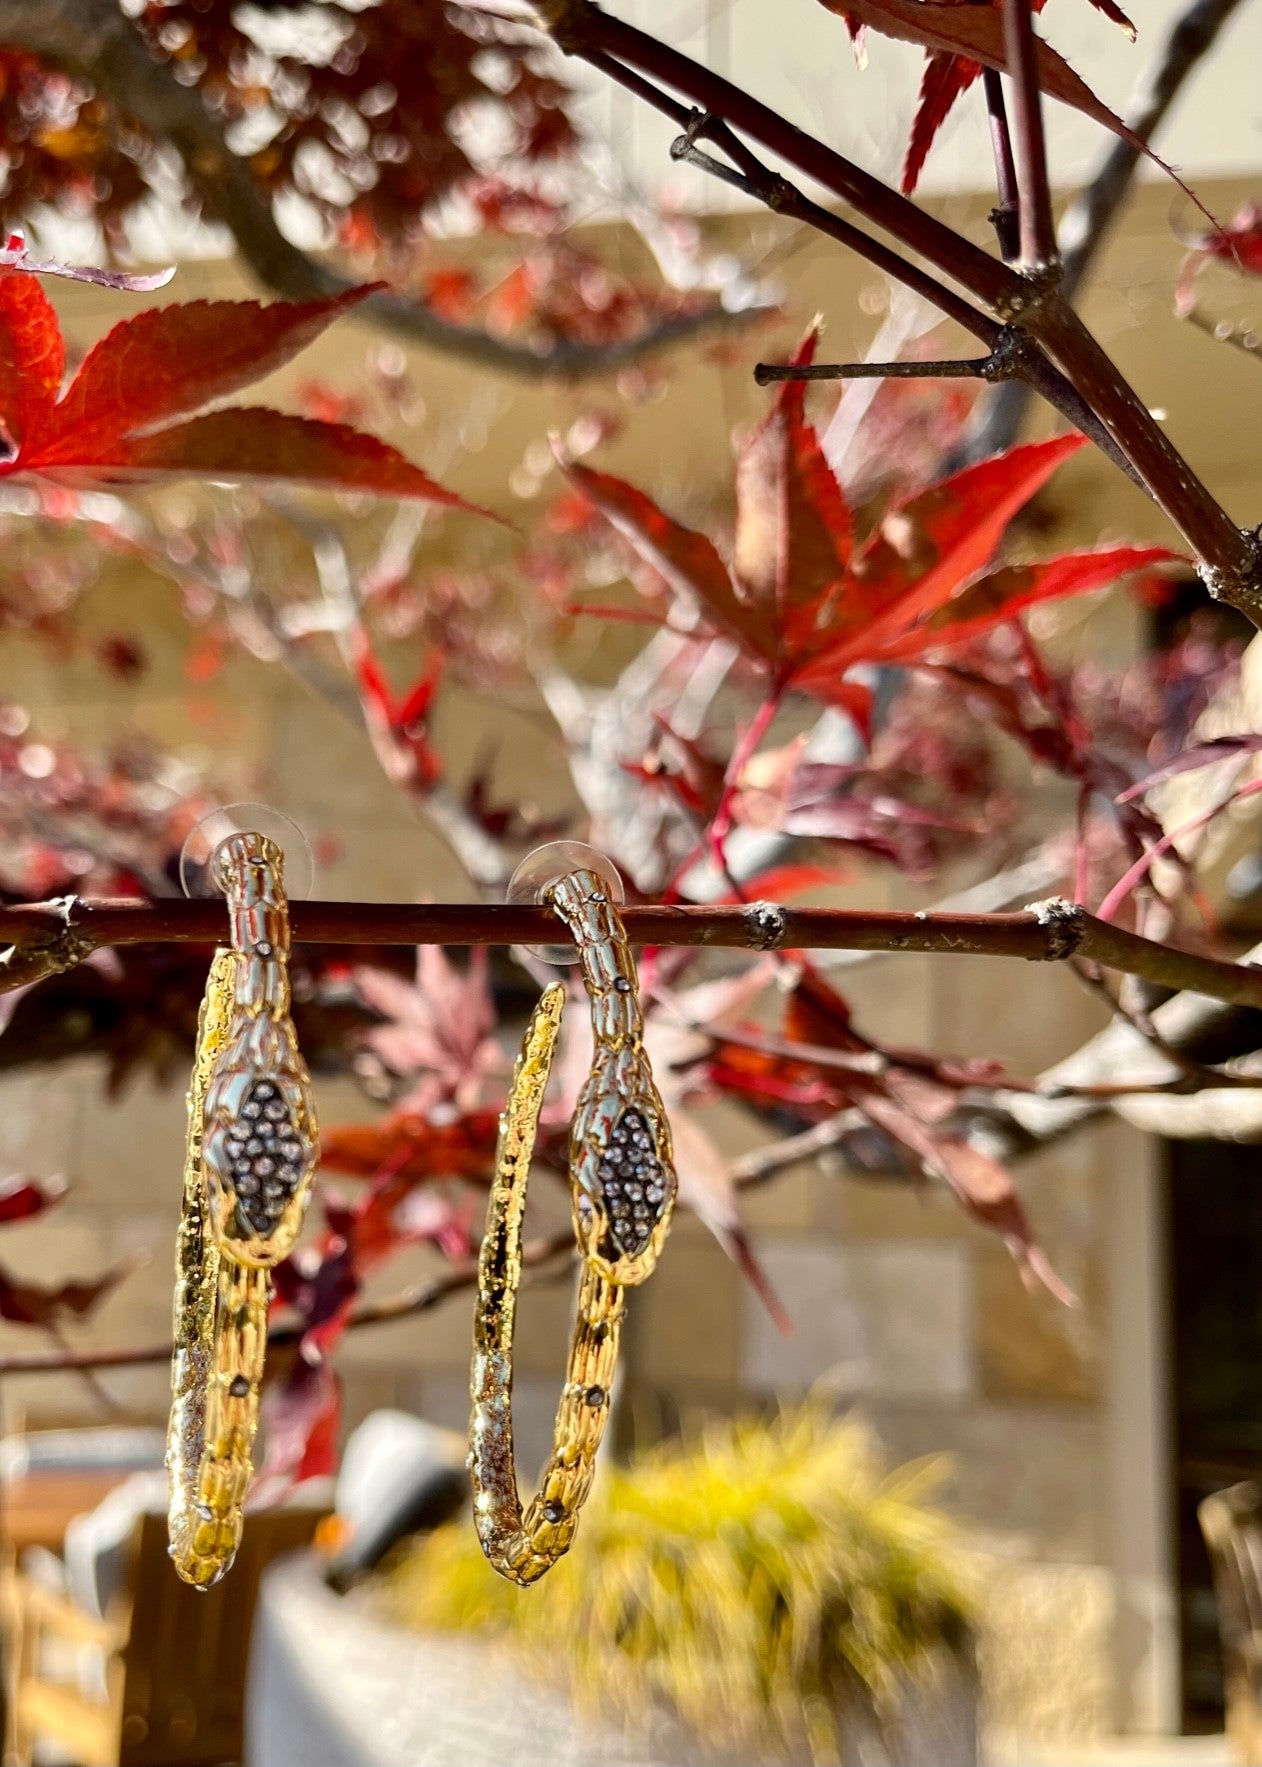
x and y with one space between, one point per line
543 866
198 852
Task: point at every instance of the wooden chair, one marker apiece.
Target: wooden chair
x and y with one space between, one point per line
1231 1522
174 1660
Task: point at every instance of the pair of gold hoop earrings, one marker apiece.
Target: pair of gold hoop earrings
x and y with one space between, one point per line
252 1150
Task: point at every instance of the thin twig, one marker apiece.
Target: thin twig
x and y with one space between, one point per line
1037 226
765 1163
1192 1075
994 367
1005 342
418 1299
1005 216
1089 218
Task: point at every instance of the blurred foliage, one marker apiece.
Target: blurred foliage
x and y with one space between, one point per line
752 1581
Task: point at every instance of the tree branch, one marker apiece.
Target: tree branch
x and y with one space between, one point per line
1230 558
1034 207
58 934
423 1296
1087 221
1008 345
93 40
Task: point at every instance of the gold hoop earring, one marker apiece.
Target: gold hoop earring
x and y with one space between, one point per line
623 1186
252 1149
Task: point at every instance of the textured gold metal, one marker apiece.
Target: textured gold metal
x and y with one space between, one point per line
623 1191
247 1177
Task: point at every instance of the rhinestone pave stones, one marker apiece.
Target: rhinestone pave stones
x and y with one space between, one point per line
265 1157
634 1187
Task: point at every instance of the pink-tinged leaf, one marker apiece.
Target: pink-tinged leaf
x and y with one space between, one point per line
15 256
22 1198
688 561
1205 754
706 1187
253 442
793 525
1238 245
169 362
981 1184
1144 864
1003 594
945 78
438 1033
32 356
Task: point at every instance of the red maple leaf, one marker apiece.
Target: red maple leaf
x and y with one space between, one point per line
398 724
908 1096
137 406
411 1145
961 38
806 603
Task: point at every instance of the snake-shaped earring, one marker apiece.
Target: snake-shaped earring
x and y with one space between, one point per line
252 1149
623 1186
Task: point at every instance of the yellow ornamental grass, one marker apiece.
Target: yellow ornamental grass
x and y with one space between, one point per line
751 1582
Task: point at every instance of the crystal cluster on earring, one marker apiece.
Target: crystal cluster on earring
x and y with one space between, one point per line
266 1156
632 1182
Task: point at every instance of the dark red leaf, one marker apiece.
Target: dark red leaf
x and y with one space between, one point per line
169 362
793 526
20 1198
410 1144
32 356
163 364
252 442
974 30
1004 593
945 78
806 626
689 562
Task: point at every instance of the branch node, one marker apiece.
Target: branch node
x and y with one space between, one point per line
1065 925
1013 351
767 925
1240 586
1032 285
49 954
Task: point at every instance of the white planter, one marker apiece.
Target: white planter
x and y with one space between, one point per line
333 1685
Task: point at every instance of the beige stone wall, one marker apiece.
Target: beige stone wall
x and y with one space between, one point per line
1051 1416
